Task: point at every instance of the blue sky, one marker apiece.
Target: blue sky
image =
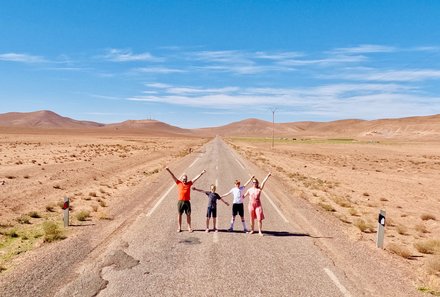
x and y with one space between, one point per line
209 63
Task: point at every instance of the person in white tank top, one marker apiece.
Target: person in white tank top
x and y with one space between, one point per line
237 204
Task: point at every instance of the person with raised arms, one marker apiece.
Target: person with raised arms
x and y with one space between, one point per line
237 203
184 197
255 207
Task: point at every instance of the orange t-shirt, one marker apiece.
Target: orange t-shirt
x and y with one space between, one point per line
184 190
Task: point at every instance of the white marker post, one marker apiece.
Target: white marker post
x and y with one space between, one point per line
66 207
380 229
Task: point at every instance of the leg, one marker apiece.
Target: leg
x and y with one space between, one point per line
179 222
260 227
207 224
244 224
214 220
188 220
252 225
232 223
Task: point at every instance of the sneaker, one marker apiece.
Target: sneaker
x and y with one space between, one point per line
245 230
230 230
215 230
207 230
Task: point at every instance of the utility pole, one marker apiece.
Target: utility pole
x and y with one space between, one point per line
273 126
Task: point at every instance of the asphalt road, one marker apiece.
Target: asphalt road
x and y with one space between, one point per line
145 256
152 259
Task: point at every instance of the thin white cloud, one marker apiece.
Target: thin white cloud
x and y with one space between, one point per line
22 58
365 49
126 55
158 85
410 75
158 70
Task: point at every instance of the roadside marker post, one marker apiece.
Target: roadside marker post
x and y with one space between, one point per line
66 207
380 229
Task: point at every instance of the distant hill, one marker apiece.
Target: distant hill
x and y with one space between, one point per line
42 119
408 128
421 127
152 126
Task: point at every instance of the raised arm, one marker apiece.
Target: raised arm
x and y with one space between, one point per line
172 174
198 176
198 190
246 183
265 180
226 194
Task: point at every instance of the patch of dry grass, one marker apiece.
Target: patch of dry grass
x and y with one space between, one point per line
421 228
327 207
401 229
82 215
364 226
430 246
427 216
52 232
399 250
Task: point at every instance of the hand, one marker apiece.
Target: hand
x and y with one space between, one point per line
194 188
203 171
227 203
166 168
270 173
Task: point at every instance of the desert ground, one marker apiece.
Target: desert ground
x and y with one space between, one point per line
348 175
96 171
353 180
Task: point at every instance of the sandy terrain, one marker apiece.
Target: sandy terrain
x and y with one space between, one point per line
353 180
95 171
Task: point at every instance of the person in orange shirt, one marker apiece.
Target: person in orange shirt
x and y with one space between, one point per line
184 197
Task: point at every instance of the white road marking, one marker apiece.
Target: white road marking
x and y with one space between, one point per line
335 280
193 163
215 237
160 201
276 208
239 163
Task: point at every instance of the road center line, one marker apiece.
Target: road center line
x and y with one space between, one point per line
215 237
335 280
276 208
194 162
160 201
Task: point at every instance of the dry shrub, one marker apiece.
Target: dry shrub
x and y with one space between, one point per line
24 219
421 228
50 207
430 246
95 207
93 194
83 215
366 194
364 226
427 216
342 201
353 211
327 207
52 232
102 203
34 214
433 265
399 250
57 186
105 216
383 199
401 229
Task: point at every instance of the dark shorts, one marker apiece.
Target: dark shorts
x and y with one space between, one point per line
212 212
237 208
184 207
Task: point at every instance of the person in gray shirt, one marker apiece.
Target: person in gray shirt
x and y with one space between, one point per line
212 206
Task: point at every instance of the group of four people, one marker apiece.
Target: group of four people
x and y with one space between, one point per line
255 208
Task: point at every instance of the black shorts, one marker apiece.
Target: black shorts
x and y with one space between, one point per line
184 206
237 208
212 212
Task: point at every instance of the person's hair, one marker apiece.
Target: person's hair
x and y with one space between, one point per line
256 182
237 182
213 187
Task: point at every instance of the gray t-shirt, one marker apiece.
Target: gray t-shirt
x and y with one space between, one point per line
213 197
